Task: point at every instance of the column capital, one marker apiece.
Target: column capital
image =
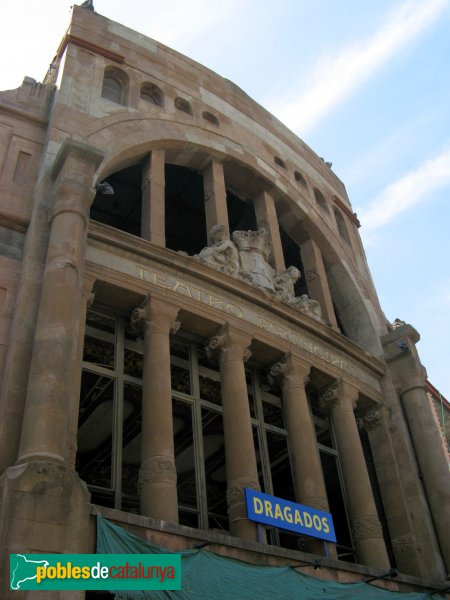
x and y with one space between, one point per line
229 344
290 370
340 393
155 316
71 153
73 171
372 419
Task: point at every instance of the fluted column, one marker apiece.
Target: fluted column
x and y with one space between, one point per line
266 216
46 422
367 534
153 199
231 349
215 196
157 475
316 279
292 376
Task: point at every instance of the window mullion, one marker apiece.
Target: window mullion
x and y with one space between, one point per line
118 416
202 503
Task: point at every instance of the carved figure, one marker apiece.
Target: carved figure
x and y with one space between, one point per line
246 256
307 306
89 4
221 254
254 249
283 283
398 323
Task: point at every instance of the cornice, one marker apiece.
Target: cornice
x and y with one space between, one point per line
142 248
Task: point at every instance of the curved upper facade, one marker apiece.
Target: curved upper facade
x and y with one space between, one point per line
189 296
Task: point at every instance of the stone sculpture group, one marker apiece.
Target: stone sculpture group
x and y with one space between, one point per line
246 256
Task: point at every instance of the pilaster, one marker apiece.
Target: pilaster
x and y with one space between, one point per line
316 279
266 216
215 196
153 199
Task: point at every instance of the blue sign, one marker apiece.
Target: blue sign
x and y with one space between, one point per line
277 512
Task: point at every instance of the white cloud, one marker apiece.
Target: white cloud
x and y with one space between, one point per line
336 77
414 187
177 22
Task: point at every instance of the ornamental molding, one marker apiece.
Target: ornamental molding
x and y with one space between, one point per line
338 394
373 419
365 528
148 318
311 274
405 546
227 345
288 372
236 490
157 469
204 297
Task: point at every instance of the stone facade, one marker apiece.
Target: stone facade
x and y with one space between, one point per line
186 313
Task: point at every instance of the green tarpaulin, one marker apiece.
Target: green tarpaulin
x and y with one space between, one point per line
206 575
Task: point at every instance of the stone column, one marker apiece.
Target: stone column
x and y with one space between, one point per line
412 537
45 429
45 507
316 279
215 196
157 475
231 348
292 375
266 216
153 227
409 377
340 398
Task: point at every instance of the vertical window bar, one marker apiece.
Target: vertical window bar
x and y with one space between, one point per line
198 440
341 482
118 416
263 448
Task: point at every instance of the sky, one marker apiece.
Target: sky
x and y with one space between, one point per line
365 84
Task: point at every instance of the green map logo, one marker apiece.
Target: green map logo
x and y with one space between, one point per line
23 570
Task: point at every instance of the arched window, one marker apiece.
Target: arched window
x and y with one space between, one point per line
278 161
211 118
115 85
183 105
342 227
151 93
320 199
300 179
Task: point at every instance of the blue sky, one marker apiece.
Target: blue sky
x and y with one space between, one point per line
366 84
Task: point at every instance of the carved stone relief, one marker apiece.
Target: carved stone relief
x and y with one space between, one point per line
222 253
366 527
405 546
246 256
235 492
157 469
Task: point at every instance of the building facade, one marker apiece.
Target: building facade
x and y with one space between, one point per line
187 312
